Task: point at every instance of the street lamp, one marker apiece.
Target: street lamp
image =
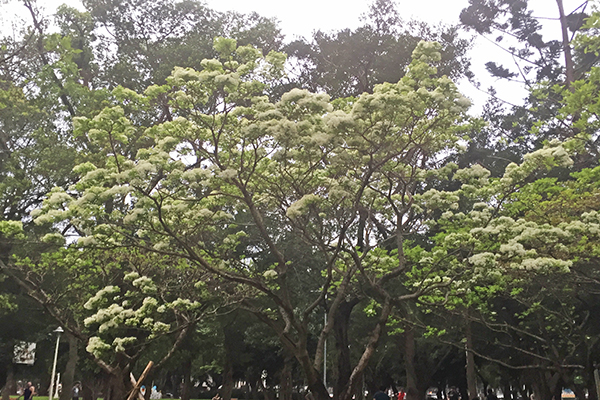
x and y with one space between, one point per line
58 331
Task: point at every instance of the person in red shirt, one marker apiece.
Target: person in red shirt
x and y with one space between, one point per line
401 394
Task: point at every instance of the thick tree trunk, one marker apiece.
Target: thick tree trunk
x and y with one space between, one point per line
118 389
579 392
342 343
9 386
68 377
544 386
313 380
187 380
286 379
412 391
228 341
356 378
87 393
471 376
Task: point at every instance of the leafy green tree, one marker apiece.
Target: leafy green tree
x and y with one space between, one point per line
46 80
140 42
538 65
299 161
351 62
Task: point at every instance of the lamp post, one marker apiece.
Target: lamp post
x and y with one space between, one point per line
58 331
325 347
325 352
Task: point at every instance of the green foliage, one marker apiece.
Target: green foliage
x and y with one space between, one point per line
351 62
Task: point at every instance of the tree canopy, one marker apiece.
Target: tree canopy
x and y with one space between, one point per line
177 189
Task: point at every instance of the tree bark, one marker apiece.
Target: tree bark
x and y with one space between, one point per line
228 340
342 342
286 379
566 45
69 374
471 376
412 391
187 380
118 389
9 386
356 378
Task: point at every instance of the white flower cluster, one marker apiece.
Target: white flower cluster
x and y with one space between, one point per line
184 304
101 297
547 157
475 174
145 284
299 207
270 274
434 199
97 347
120 343
114 316
544 263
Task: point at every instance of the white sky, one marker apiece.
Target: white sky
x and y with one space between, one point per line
301 18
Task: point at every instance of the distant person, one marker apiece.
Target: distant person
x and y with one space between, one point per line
381 394
491 395
76 391
453 394
29 391
401 394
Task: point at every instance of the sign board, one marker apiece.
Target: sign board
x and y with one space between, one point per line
24 353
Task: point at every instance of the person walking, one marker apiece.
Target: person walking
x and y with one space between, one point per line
29 391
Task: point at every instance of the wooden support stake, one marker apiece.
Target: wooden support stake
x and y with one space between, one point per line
138 384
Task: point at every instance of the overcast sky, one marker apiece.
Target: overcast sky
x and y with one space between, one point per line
301 18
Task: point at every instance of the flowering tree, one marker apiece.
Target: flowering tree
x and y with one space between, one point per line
122 304
525 245
339 177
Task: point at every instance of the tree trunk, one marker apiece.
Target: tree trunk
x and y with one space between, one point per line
471 376
286 379
87 393
9 386
545 384
566 44
313 380
356 378
228 340
118 389
412 391
341 326
69 374
187 380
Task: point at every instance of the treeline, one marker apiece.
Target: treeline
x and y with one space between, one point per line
318 217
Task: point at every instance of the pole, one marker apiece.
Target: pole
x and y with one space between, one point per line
325 357
58 330
136 387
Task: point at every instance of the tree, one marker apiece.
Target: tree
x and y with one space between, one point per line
46 80
351 62
508 20
300 162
